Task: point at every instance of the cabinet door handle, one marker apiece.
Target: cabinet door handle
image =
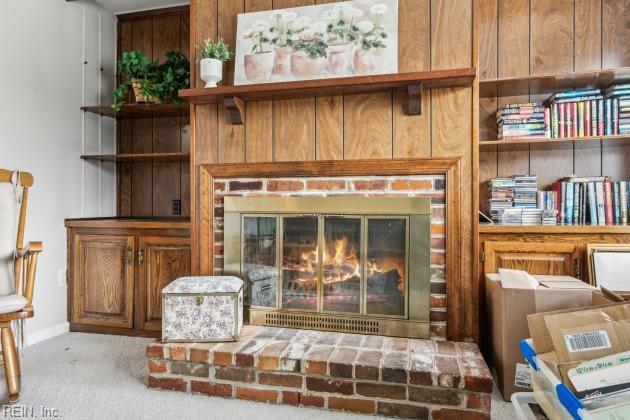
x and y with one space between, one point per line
129 255
141 256
578 268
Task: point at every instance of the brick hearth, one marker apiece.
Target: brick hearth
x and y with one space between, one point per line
368 374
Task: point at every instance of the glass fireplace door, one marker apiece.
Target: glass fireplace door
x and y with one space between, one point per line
300 262
341 271
386 266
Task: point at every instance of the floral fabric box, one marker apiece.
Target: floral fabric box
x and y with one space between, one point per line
202 309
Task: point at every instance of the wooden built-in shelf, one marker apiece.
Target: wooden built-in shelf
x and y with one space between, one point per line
555 143
129 157
591 229
549 83
140 110
234 97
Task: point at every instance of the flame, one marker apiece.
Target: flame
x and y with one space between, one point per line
340 263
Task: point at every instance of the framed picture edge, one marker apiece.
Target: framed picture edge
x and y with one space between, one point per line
591 249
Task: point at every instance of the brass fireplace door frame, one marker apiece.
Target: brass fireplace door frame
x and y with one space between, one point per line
417 210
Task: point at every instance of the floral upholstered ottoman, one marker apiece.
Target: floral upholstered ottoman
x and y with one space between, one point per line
201 309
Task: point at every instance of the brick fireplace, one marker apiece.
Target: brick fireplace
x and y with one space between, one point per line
363 372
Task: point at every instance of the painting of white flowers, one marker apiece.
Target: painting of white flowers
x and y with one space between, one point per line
342 39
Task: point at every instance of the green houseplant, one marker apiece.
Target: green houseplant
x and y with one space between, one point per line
213 54
136 67
152 81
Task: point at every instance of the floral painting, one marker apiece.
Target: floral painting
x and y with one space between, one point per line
342 39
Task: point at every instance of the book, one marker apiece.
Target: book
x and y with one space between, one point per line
574 117
601 203
593 106
600 117
615 116
554 120
623 202
608 128
568 211
573 94
576 202
562 122
587 118
569 120
563 210
547 122
580 119
592 203
608 202
616 203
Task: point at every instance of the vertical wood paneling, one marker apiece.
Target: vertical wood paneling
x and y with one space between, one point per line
551 51
616 53
293 119
166 136
513 60
487 21
451 135
123 136
259 114
142 141
184 178
231 137
368 126
329 122
205 120
412 134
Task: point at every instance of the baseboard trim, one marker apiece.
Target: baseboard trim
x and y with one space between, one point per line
46 334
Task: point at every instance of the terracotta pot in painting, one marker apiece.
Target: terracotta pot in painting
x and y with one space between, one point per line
304 66
340 58
282 64
258 66
367 62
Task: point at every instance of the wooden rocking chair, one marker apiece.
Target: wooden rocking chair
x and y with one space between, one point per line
17 271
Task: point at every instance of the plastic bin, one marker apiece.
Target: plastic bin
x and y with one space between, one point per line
554 397
521 402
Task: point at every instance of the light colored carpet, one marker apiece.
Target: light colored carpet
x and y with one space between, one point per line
90 376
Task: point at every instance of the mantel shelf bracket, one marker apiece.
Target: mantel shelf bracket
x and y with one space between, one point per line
414 99
236 109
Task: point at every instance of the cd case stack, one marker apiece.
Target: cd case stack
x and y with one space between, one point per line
501 196
522 120
525 191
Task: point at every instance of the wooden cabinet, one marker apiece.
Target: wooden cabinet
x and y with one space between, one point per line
556 258
103 283
117 269
160 261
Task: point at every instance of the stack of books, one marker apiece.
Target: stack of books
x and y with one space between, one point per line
583 113
620 94
531 216
525 191
592 200
522 120
501 196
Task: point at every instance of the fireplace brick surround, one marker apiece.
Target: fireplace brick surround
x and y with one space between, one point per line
387 376
431 186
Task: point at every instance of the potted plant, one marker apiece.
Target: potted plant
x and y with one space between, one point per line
260 61
213 55
369 39
170 77
341 33
309 52
136 67
283 32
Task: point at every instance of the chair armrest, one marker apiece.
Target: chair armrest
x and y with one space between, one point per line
30 248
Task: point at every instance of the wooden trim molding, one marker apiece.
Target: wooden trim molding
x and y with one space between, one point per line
146 14
203 234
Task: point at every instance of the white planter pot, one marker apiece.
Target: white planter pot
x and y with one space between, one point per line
211 71
340 58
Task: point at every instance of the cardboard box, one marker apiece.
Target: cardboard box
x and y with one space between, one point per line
507 310
559 340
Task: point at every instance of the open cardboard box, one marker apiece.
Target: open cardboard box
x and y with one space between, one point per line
554 335
507 310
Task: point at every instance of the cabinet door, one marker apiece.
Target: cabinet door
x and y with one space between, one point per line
103 280
160 261
555 258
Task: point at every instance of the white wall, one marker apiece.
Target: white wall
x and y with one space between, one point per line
44 82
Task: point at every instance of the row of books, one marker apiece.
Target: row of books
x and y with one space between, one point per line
575 113
592 200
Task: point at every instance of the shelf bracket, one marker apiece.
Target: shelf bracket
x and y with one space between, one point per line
413 104
236 109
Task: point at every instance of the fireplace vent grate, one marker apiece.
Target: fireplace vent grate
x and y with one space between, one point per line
322 322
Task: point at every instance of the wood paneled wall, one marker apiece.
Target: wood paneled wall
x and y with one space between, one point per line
433 34
522 37
147 189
